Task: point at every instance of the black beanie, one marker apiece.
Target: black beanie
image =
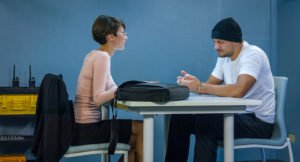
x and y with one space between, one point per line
227 29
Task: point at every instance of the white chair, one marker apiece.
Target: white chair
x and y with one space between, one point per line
101 149
279 139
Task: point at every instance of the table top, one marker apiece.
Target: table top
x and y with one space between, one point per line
195 104
195 100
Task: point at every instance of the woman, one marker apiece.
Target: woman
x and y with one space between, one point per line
96 87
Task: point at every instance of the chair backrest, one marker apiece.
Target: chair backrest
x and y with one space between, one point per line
279 132
104 111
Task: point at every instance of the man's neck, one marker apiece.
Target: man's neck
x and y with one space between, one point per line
237 50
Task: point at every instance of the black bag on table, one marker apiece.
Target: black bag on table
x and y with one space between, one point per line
151 91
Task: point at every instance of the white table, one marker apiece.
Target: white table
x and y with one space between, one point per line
195 104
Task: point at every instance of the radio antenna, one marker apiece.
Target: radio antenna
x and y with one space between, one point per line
29 72
14 72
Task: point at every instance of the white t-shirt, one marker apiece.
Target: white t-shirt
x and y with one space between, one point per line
252 61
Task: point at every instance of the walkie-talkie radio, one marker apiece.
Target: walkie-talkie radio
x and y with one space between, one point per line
15 80
31 81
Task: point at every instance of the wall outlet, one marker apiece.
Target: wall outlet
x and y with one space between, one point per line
292 137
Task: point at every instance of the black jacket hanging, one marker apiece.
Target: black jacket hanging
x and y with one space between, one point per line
55 120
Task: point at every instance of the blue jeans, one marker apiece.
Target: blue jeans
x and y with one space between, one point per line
208 130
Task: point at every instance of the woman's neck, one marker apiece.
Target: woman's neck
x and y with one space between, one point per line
109 49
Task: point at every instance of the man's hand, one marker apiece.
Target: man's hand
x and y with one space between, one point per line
192 82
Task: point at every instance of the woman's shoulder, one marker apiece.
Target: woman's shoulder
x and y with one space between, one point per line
96 54
99 53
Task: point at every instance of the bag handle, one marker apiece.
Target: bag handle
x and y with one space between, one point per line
114 133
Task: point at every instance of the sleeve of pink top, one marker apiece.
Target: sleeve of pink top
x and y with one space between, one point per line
102 93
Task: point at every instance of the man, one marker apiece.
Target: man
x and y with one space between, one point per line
242 70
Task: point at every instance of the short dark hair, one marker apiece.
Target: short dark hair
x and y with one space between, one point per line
105 25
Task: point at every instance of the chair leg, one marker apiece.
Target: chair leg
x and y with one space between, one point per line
126 156
290 150
263 155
